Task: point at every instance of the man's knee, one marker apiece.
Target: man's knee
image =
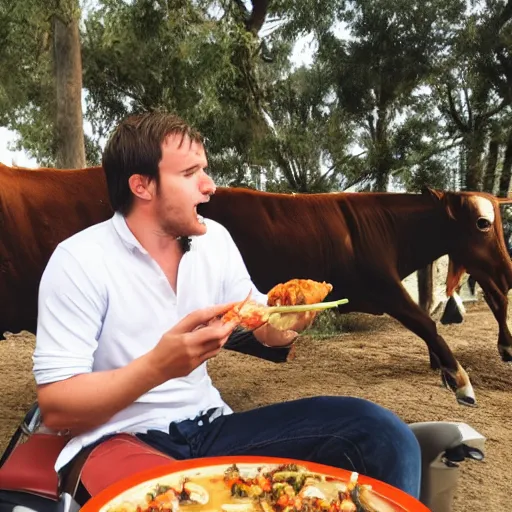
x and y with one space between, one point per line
371 421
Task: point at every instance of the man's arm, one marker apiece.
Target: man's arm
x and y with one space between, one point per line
246 343
71 312
88 400
70 315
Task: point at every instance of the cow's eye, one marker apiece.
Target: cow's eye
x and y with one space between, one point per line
483 224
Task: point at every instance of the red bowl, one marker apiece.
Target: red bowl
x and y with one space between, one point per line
402 501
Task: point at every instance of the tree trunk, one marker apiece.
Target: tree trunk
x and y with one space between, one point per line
506 169
67 61
383 161
474 148
382 178
490 169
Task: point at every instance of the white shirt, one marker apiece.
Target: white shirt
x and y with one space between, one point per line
104 301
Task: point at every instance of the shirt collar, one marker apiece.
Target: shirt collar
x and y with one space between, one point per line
128 237
124 232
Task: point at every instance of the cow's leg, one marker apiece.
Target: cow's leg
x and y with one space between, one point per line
399 305
454 310
434 360
498 303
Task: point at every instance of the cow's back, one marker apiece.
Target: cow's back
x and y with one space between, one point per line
38 209
284 236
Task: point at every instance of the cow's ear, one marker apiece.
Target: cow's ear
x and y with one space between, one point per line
435 194
454 203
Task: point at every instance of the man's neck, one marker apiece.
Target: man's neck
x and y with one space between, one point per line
151 237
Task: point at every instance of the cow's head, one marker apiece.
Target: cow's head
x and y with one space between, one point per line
475 239
477 246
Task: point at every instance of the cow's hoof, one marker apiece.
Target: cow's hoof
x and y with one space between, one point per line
454 311
466 395
467 401
505 353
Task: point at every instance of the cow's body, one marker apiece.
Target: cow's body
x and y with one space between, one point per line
38 209
364 244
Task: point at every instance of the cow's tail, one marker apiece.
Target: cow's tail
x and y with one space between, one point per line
425 288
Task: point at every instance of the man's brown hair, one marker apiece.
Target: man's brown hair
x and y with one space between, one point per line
135 147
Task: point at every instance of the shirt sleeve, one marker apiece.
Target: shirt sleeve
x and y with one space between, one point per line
246 343
237 282
71 309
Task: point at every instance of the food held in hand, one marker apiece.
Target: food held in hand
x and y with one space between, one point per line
250 314
298 291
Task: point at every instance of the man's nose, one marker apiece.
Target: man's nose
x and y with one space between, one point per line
207 186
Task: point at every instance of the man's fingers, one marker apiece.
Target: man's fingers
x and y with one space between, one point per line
201 317
211 348
290 335
213 333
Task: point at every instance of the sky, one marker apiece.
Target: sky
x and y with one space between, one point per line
8 157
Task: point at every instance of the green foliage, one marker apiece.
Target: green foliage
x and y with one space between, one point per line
373 106
377 72
177 56
26 94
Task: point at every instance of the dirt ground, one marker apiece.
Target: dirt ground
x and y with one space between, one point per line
378 360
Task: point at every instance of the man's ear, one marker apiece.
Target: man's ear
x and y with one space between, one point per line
141 186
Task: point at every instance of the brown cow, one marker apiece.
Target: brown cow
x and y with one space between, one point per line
364 244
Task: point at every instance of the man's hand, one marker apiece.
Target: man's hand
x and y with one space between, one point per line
272 337
197 337
88 400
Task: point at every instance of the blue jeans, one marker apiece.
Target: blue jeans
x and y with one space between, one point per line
344 432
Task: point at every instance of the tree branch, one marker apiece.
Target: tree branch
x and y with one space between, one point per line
245 13
257 17
284 165
334 167
506 15
496 110
424 157
453 111
357 180
371 126
468 106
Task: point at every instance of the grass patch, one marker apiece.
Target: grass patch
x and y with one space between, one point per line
331 323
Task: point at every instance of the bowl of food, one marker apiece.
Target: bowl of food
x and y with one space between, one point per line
250 484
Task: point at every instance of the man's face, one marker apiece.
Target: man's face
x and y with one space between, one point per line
183 185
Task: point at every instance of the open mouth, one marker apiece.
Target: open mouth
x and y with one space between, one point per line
200 218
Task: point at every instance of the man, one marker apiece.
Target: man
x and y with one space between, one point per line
128 319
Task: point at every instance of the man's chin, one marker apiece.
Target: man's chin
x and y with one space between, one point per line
199 229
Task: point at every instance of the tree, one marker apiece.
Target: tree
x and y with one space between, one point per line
389 55
67 71
473 86
40 74
190 58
